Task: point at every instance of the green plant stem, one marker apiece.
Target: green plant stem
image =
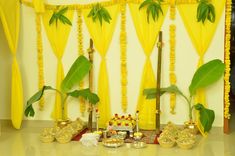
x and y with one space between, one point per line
190 108
63 106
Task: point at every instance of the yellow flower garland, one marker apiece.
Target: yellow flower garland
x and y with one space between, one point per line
81 52
40 58
123 57
227 59
172 9
105 3
172 67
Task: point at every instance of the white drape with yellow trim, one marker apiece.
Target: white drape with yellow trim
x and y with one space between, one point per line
147 34
10 16
58 35
201 36
102 36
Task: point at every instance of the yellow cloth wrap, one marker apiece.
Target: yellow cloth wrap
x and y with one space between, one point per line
201 36
40 58
39 6
147 34
58 36
228 12
172 67
123 43
10 17
102 36
80 52
172 9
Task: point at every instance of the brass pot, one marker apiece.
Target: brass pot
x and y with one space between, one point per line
62 123
192 126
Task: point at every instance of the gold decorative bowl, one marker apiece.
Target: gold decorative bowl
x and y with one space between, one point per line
63 123
47 138
63 137
139 144
192 126
185 143
113 142
166 142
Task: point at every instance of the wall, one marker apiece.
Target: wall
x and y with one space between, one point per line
186 62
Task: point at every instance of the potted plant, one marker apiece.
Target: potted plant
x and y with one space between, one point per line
206 75
79 69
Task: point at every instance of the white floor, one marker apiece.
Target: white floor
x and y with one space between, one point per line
25 142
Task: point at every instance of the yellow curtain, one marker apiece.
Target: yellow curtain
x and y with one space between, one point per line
39 6
201 36
147 34
10 16
102 36
58 36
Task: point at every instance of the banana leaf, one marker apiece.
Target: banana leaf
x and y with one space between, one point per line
86 94
206 75
29 111
207 116
77 72
150 93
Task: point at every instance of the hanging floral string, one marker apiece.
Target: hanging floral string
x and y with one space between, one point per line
123 57
40 58
227 58
172 9
80 52
172 67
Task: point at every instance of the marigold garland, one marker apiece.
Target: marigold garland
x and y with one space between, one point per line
172 9
123 57
172 67
105 3
40 58
227 59
80 52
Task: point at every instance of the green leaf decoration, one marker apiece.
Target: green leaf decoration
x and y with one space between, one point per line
153 7
151 92
100 13
29 111
206 75
59 16
86 94
207 116
205 10
77 72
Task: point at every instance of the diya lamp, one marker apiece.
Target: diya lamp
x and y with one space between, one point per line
97 122
137 134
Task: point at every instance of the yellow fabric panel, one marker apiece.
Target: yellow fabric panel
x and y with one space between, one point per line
10 16
16 96
58 36
147 34
147 108
201 36
39 6
102 36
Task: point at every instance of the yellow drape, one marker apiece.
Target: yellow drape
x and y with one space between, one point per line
58 36
39 6
147 34
10 16
102 36
201 36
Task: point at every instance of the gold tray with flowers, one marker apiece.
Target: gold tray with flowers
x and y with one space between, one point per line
113 142
121 123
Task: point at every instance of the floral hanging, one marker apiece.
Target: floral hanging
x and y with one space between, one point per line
227 115
40 58
123 57
80 52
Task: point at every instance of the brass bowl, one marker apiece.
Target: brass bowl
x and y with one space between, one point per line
166 142
192 126
63 123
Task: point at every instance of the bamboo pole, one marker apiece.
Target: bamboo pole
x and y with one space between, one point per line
159 45
90 52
